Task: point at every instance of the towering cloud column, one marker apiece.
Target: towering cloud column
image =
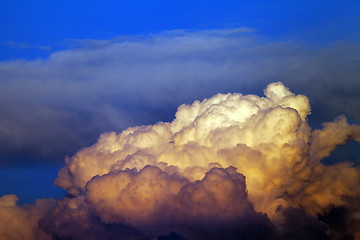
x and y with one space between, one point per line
194 168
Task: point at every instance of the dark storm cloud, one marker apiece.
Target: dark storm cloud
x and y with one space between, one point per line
51 107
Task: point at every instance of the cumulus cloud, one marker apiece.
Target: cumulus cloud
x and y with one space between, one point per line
232 166
21 222
151 203
52 107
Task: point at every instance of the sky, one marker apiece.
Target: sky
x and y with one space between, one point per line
73 70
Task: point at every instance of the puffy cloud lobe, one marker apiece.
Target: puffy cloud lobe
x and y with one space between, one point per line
132 197
333 134
157 203
21 222
152 196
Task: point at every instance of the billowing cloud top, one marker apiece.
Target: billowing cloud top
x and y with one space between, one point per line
232 166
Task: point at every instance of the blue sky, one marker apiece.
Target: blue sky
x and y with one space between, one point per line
70 70
32 29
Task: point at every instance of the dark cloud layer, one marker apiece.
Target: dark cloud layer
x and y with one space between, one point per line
51 107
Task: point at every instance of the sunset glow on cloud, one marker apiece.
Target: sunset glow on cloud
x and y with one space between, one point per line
236 166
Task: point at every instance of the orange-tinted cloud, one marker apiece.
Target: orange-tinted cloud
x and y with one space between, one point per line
21 222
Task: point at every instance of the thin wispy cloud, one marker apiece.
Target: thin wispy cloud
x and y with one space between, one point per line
26 45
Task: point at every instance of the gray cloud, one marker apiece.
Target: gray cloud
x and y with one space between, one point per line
51 107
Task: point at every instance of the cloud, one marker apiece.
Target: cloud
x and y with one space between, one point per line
333 134
157 203
52 107
231 166
25 45
21 222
